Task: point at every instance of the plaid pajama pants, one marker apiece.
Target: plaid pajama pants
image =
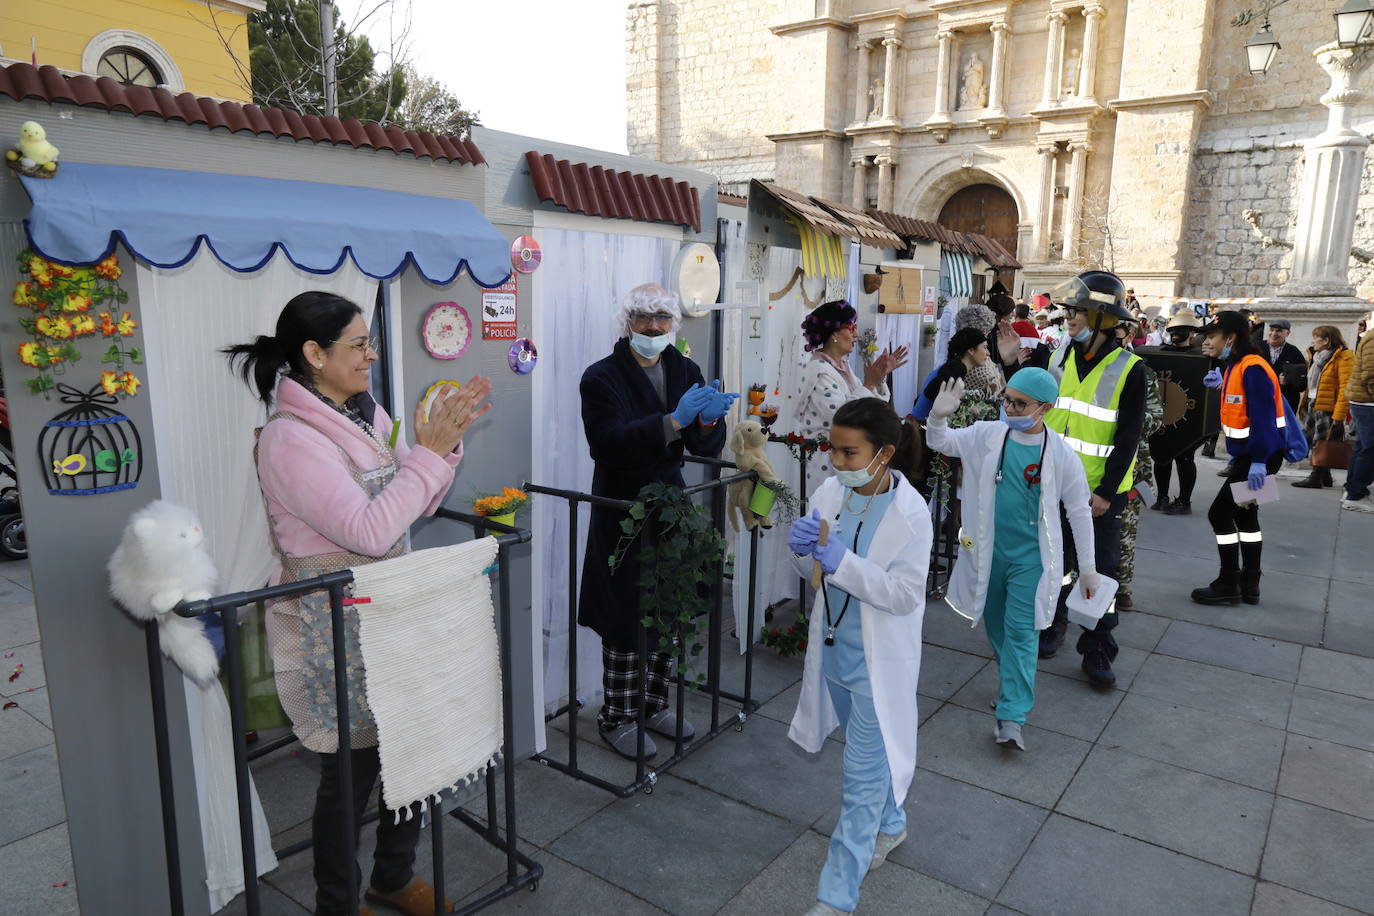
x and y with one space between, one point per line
620 680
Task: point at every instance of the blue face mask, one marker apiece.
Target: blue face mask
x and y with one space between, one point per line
649 347
1021 424
856 479
1083 336
1226 352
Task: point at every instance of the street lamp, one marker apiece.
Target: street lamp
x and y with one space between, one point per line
1353 22
1261 50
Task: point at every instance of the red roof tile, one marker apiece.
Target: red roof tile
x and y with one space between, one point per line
48 84
603 192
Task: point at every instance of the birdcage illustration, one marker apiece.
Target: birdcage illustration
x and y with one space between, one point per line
90 447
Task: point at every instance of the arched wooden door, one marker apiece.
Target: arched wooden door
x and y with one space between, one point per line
987 210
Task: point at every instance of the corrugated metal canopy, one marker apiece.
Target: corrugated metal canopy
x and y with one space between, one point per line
869 229
48 84
598 191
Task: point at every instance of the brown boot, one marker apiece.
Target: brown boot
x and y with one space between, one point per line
415 899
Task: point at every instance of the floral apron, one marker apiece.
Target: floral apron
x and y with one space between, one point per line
301 636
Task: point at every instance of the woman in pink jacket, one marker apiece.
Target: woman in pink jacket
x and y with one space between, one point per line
338 497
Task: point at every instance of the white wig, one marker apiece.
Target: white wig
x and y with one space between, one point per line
650 298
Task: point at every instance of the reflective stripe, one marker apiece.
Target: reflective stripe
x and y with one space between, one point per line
1068 579
1228 539
1088 448
1234 433
1250 537
1105 414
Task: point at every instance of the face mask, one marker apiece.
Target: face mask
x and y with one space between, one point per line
1018 423
1226 352
649 347
1083 336
856 479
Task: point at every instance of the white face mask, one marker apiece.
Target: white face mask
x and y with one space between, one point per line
856 479
650 347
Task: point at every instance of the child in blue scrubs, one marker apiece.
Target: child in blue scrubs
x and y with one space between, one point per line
863 656
1017 474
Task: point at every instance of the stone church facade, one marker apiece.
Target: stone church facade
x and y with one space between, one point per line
1119 133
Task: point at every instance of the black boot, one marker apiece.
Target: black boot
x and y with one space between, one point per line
1179 506
1312 481
1051 638
1224 589
1161 503
1326 478
1249 586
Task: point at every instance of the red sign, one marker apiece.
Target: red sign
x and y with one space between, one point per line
498 311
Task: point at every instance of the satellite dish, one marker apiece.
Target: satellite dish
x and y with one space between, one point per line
696 278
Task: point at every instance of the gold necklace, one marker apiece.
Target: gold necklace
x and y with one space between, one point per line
874 495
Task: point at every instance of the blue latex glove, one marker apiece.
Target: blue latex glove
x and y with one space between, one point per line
805 532
719 405
690 404
1212 379
1255 479
830 556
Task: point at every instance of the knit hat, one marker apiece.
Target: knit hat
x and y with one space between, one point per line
977 316
964 340
825 320
1036 383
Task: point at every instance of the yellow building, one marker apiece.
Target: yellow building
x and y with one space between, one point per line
198 46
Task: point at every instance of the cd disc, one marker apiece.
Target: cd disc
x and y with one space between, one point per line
522 356
525 254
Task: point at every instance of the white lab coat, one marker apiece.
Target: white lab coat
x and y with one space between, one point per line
890 584
1061 480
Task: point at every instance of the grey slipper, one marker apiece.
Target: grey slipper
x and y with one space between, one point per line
623 740
1008 734
664 722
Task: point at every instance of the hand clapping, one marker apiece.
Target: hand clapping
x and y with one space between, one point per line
450 416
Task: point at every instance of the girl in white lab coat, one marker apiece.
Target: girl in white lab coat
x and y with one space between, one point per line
863 653
1009 570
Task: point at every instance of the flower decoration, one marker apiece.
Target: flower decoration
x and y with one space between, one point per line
803 448
509 500
791 641
63 298
109 382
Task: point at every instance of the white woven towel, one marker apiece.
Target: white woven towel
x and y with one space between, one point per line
428 637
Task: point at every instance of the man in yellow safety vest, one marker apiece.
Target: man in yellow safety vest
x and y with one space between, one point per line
1100 411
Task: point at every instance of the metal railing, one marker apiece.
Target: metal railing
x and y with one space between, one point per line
644 777
521 871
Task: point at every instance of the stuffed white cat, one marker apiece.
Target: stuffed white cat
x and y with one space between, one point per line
161 561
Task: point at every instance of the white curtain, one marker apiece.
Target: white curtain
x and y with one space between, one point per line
575 293
895 331
205 419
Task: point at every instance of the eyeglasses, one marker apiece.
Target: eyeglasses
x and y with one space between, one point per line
364 346
662 319
1019 406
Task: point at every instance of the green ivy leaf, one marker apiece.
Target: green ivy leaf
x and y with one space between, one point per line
136 355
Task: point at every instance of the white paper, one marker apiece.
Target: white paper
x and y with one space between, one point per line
1269 493
1030 343
1086 612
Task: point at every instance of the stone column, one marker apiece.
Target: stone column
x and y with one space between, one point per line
942 65
885 164
893 47
1331 174
859 198
861 106
1042 230
1073 224
999 68
1054 51
1087 70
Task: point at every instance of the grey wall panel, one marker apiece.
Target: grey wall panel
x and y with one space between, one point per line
94 656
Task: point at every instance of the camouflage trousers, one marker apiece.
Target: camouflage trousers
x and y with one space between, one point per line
1130 523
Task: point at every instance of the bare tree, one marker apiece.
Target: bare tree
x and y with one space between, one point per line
1099 232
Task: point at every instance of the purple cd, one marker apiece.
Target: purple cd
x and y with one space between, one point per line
522 356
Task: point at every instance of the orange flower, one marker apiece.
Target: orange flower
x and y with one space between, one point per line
130 383
61 270
109 268
107 325
56 328
126 325
29 354
39 269
110 382
56 355
75 302
82 325
24 297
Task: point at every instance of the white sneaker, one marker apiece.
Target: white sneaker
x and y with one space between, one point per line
886 843
1008 734
1359 505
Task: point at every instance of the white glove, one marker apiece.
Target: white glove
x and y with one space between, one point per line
947 401
1089 582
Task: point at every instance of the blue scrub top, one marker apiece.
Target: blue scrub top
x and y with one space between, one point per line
844 663
1016 537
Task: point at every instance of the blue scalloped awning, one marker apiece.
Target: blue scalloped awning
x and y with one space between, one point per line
164 215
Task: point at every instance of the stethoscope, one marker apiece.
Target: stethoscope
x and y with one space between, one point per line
1039 466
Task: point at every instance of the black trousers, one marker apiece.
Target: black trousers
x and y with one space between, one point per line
1186 461
1237 527
392 863
1107 556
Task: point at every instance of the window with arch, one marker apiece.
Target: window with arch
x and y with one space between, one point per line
129 67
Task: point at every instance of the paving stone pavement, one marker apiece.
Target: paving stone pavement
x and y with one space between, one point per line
1232 771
